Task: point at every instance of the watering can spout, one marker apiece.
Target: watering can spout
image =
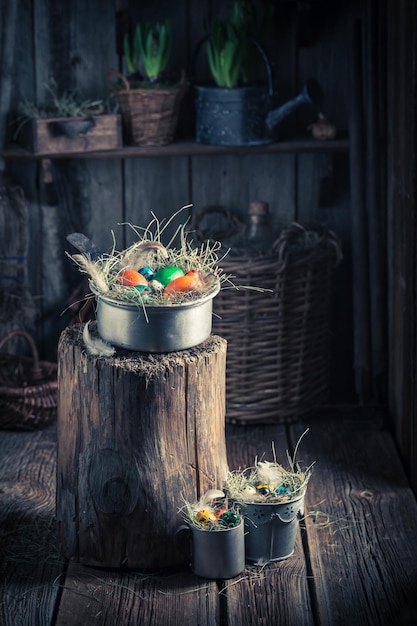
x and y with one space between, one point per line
310 94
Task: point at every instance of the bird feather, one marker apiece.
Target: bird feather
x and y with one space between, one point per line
95 345
92 269
138 254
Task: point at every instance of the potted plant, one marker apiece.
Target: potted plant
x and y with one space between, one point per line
67 123
230 47
149 99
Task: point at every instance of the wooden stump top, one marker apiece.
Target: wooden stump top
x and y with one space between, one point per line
149 364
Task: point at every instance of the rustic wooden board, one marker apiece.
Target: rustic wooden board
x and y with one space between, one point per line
276 593
322 177
401 199
26 176
30 564
360 522
73 48
159 186
270 179
359 542
153 598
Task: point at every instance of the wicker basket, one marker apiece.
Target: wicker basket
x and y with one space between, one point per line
278 341
28 388
150 116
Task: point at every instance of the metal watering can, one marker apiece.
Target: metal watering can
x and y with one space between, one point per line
241 116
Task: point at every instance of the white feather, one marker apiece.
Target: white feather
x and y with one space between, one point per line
270 473
95 345
211 495
89 267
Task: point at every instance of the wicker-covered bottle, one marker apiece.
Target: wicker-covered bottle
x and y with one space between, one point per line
260 233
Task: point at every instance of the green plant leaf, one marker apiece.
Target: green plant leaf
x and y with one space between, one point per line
155 45
130 54
228 47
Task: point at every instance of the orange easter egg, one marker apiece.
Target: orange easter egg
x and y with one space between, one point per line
130 278
190 282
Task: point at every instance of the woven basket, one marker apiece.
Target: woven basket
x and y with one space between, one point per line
150 116
28 388
278 349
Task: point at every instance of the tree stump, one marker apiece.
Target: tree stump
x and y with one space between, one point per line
137 433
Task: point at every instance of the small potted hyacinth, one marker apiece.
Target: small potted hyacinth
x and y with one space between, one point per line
148 93
67 122
216 536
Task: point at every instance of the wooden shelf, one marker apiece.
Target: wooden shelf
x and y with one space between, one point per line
187 148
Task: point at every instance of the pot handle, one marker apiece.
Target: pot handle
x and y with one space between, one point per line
233 226
260 50
182 534
36 370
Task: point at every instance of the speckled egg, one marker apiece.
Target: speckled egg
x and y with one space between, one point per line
205 516
264 489
229 519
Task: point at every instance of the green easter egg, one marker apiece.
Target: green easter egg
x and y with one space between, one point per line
167 274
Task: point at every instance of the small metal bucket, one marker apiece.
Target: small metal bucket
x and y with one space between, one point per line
164 328
216 554
271 529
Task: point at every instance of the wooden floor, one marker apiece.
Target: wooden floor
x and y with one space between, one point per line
355 560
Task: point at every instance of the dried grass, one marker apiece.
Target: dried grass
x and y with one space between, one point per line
213 505
279 484
105 271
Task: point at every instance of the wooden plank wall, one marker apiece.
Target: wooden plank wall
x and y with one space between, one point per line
76 44
401 196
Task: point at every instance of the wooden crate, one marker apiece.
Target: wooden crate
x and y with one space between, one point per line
71 134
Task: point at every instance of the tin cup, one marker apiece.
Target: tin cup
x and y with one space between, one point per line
215 554
271 529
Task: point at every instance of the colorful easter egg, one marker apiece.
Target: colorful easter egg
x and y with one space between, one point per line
264 489
205 516
229 519
249 491
131 278
219 513
190 282
168 274
147 272
283 491
142 288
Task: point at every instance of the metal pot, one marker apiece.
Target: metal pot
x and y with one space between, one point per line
164 328
271 529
